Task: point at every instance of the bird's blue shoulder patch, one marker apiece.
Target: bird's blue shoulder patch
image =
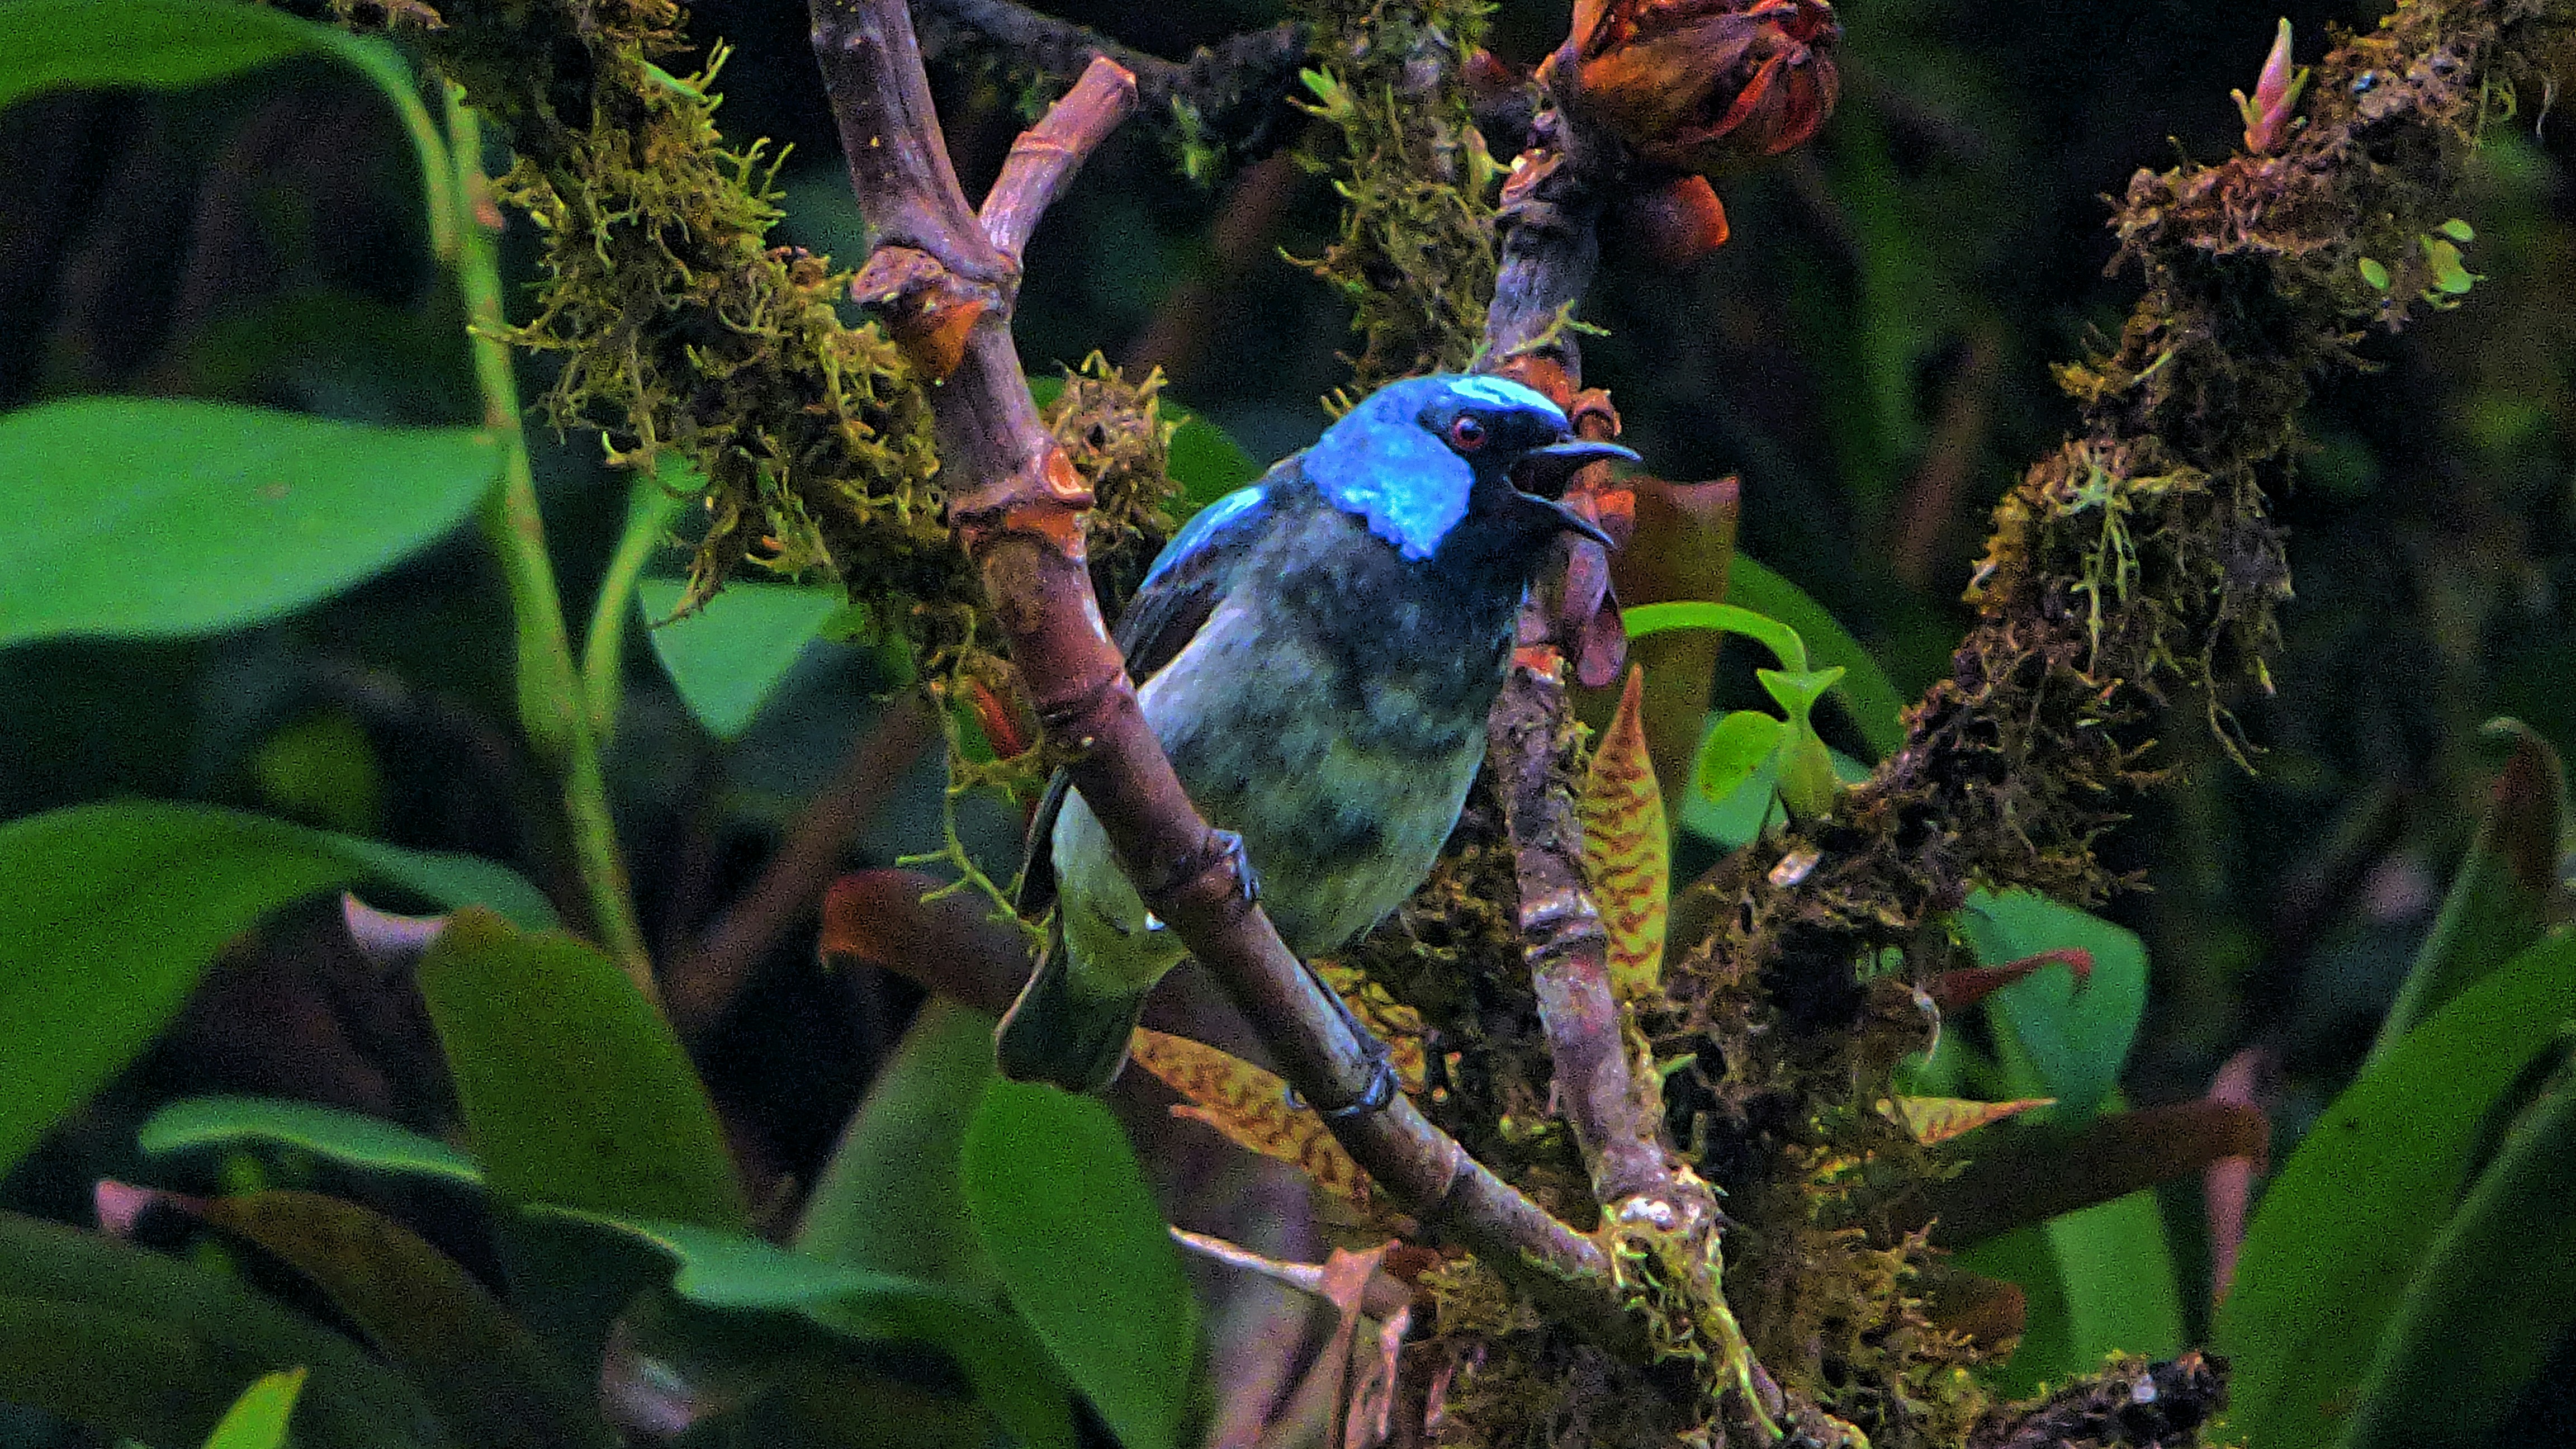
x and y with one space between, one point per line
1204 526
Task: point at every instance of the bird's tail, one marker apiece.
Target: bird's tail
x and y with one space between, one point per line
1058 1033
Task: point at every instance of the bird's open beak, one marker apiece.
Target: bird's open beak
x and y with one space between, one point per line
1542 473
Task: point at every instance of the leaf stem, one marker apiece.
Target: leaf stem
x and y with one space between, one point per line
555 709
650 509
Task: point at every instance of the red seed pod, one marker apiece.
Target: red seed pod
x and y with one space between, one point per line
1710 86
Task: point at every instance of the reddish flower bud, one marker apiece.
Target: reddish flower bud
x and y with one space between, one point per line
1710 86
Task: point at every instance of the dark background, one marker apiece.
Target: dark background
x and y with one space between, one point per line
1869 353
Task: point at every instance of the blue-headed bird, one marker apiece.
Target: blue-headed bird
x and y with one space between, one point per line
1317 653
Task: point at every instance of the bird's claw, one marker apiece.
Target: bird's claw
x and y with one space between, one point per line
1246 879
1381 1089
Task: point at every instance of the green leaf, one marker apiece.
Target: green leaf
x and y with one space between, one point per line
478 1367
173 44
2459 231
733 1272
890 1199
728 658
1205 459
2496 1293
2507 892
258 1419
2374 273
2343 1227
1733 749
326 1132
157 1348
1063 1212
1783 641
1877 710
109 912
160 518
2096 1281
2076 1038
1796 691
574 1089
2450 276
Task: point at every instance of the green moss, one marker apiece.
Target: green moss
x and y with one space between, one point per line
684 334
1415 253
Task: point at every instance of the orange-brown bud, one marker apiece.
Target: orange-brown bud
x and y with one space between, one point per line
1710 86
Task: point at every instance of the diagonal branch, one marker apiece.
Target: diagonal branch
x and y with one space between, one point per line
1018 506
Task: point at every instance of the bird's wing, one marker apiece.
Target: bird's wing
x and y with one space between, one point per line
1188 577
1179 593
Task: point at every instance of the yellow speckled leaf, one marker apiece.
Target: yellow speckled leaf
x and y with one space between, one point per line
1392 1022
1627 851
1938 1119
1250 1106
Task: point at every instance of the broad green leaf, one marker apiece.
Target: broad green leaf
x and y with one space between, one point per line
258 1419
2495 1294
2343 1227
2507 892
2095 1281
1876 708
1063 1212
109 912
728 658
574 1090
733 1272
478 1367
890 1198
327 1132
2077 1038
158 1348
162 518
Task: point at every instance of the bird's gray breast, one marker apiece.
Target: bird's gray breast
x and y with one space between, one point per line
1332 712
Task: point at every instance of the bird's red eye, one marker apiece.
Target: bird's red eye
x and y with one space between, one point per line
1467 432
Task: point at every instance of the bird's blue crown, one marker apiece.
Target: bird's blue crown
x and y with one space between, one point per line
1384 462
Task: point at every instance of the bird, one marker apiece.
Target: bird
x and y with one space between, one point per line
1317 653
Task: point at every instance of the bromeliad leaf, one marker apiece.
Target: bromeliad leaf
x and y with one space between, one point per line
1252 1109
1934 1120
1627 848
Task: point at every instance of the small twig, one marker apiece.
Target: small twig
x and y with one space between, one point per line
1241 71
1018 505
699 986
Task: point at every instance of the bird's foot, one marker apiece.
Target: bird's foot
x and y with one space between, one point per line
1381 1087
1246 879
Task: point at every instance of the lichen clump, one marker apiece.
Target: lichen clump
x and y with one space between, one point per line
705 355
1416 250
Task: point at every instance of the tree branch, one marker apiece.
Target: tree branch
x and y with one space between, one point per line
1238 72
1550 218
1018 506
